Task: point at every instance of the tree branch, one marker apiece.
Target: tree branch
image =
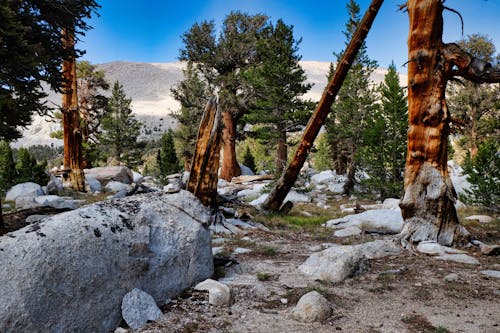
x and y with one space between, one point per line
465 65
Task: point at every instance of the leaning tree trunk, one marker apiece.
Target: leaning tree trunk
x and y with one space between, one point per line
205 164
428 202
71 120
289 176
230 167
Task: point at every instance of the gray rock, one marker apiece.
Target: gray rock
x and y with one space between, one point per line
452 277
480 218
119 195
487 249
35 218
106 174
138 308
245 171
490 273
312 307
120 330
461 258
349 231
70 272
92 185
435 248
334 264
219 294
137 177
379 249
54 185
385 221
114 186
28 189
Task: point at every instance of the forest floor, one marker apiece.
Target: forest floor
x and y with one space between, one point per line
402 293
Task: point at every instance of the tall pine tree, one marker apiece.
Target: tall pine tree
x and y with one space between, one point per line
120 128
277 83
383 148
167 160
354 104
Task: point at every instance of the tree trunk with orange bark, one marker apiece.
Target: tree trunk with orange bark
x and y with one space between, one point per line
72 135
428 203
205 163
230 167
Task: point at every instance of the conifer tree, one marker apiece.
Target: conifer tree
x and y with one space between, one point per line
276 83
249 160
7 166
120 128
193 94
383 149
167 160
353 106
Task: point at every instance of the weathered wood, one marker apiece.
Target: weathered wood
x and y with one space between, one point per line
205 164
230 167
72 136
248 179
288 178
428 203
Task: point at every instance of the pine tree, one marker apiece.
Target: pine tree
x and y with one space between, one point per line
32 51
120 128
222 61
276 84
383 149
193 94
8 172
167 160
249 160
352 107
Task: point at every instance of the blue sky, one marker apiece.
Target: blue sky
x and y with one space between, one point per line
150 30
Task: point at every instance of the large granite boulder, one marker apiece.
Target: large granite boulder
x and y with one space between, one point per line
28 189
70 272
104 175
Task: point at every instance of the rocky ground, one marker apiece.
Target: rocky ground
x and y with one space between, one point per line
408 292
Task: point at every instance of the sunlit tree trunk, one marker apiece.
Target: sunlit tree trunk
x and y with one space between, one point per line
72 135
230 167
428 203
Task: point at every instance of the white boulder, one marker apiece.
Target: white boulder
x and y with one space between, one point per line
92 185
385 221
137 177
28 189
312 307
114 186
104 175
219 294
71 271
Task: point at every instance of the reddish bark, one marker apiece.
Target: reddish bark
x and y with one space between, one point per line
72 135
288 178
281 154
230 167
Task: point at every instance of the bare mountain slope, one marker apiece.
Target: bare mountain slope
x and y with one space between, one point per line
149 84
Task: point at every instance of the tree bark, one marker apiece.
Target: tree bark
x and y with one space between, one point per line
71 120
230 167
288 178
428 202
205 164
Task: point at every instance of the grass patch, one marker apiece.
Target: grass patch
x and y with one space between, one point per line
418 323
263 276
306 221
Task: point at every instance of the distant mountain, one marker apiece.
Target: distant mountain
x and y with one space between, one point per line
149 84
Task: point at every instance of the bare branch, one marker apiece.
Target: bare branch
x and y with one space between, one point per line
459 15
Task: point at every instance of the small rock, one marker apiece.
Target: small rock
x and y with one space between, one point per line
138 308
241 250
120 330
218 294
461 258
217 250
480 218
284 301
490 273
453 277
114 186
435 248
350 231
486 249
312 307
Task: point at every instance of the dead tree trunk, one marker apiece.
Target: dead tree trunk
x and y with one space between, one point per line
428 203
230 167
205 163
288 178
71 120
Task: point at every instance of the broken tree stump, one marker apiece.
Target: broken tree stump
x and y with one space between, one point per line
288 178
203 176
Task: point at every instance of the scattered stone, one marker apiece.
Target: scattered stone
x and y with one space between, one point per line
104 175
114 186
292 196
349 231
216 250
92 185
461 258
480 218
335 264
28 189
490 273
384 221
218 294
120 330
252 192
245 171
137 177
379 248
453 277
54 185
241 250
312 307
486 249
434 248
138 307
284 301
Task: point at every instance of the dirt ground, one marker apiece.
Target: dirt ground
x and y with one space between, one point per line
403 293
